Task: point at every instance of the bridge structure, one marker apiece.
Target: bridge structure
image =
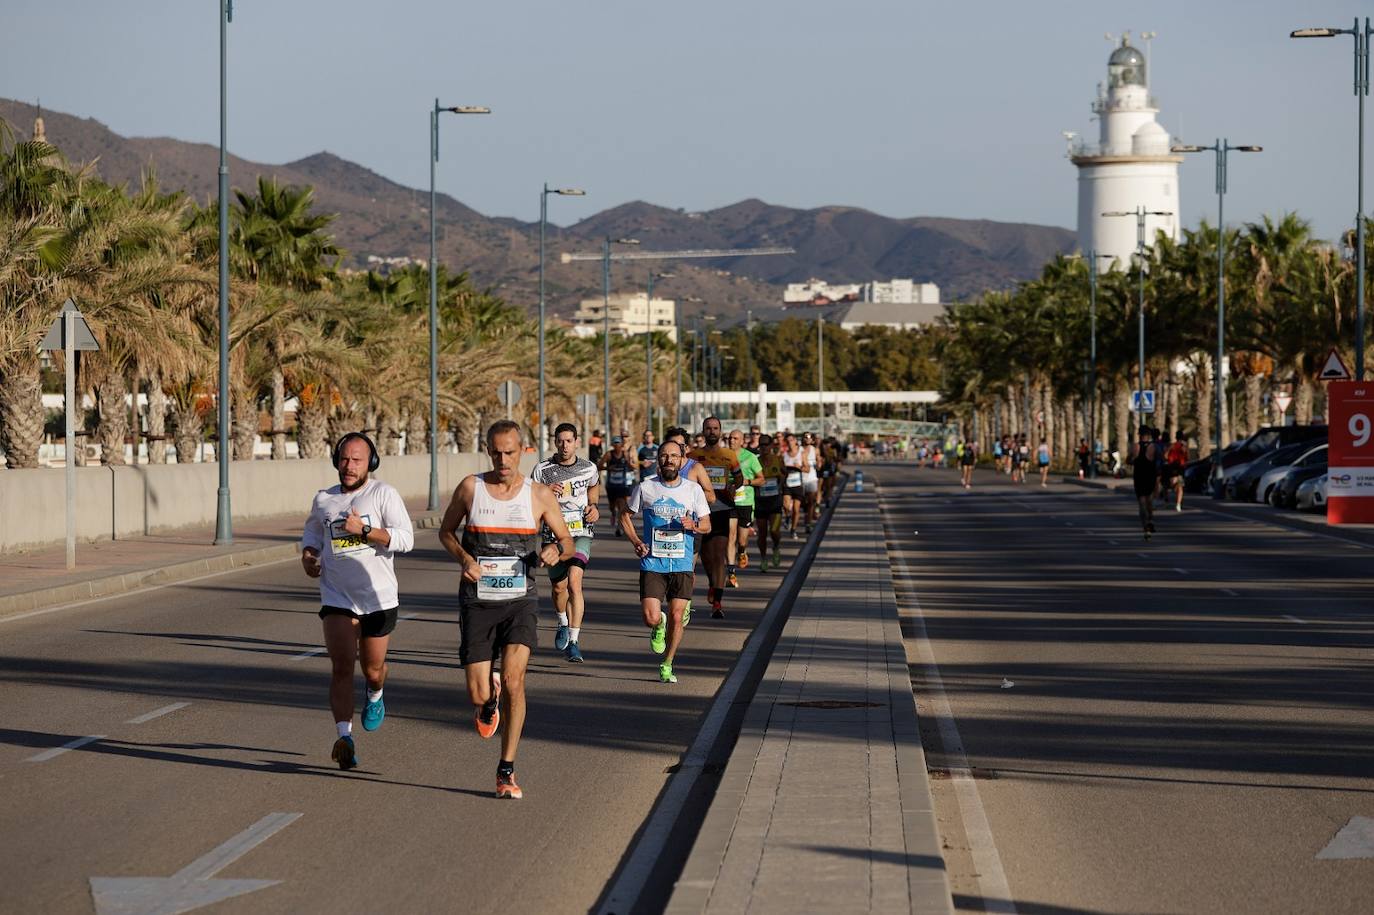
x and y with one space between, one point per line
777 410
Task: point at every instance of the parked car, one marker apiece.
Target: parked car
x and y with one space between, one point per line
1266 439
1312 494
1285 494
1244 478
1311 457
1195 475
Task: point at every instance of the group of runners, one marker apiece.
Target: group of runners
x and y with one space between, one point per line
675 503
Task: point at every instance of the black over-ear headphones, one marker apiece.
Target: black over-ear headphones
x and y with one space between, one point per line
373 459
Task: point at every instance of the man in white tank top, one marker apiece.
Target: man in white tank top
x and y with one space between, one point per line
498 601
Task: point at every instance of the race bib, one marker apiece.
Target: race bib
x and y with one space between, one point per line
669 544
617 478
794 478
770 488
503 578
717 475
575 522
342 543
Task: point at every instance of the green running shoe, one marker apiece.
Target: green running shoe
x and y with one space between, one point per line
665 673
658 639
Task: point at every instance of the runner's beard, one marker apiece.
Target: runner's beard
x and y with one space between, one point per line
667 474
356 485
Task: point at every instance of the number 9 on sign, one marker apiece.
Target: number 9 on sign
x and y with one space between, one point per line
1359 427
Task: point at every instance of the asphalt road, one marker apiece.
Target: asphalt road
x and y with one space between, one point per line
1182 725
242 731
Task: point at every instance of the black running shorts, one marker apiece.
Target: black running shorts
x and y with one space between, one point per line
489 626
768 506
372 625
745 514
669 586
720 522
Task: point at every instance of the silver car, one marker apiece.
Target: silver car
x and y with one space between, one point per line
1312 495
1269 483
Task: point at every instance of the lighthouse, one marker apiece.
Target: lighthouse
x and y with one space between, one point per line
1129 168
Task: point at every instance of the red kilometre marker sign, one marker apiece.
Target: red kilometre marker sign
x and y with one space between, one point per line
1350 456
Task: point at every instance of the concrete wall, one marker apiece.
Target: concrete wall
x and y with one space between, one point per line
115 502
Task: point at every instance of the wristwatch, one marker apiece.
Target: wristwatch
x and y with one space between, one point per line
367 529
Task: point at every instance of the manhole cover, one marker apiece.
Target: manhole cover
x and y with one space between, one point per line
832 704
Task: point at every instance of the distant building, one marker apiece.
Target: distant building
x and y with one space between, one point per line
897 291
631 313
898 316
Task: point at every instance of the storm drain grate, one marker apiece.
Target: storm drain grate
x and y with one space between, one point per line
833 704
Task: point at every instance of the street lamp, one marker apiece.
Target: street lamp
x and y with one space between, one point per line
543 222
1221 148
1140 213
606 317
649 347
224 524
1361 36
434 299
1092 257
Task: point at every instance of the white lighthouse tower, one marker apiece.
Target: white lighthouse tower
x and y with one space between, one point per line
1130 167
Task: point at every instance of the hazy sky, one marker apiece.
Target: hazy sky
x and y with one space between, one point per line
905 107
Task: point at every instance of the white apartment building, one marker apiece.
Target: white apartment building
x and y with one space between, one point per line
631 313
895 292
901 292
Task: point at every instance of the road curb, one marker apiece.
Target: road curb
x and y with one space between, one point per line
125 582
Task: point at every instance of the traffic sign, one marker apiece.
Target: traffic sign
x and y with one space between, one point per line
1142 401
1350 453
1334 369
82 338
1283 400
509 392
586 403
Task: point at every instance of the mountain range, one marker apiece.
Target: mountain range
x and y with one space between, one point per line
377 216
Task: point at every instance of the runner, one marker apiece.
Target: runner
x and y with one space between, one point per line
744 504
768 504
791 483
574 483
1085 456
596 446
691 470
1175 459
1042 457
675 509
620 479
364 524
1023 455
811 479
648 455
1145 476
967 459
498 600
830 463
722 468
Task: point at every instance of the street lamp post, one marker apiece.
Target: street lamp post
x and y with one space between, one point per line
1361 36
1221 148
649 347
1092 257
224 524
434 298
606 319
820 373
1140 213
543 223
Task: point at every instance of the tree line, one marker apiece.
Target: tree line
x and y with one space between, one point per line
351 348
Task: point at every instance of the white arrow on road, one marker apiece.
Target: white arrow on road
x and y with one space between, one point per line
1355 840
192 886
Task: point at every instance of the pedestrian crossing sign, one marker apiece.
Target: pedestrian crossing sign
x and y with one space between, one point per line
1142 401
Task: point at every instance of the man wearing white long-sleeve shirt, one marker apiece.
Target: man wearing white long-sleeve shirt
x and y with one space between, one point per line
353 531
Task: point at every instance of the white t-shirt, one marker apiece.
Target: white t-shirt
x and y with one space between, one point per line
810 455
356 574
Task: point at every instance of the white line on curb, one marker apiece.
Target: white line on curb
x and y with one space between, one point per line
308 654
70 745
992 880
1294 619
157 713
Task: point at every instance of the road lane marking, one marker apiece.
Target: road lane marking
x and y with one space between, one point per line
157 713
69 745
1355 840
1113 543
191 887
1294 619
1143 555
987 863
1229 593
1180 571
308 654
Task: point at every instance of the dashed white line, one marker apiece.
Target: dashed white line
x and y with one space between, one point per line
1143 555
1113 543
1294 619
157 713
1229 593
308 654
1180 571
70 745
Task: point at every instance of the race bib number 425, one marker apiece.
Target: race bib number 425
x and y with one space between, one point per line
669 545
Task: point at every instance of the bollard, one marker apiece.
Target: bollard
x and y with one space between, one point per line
858 481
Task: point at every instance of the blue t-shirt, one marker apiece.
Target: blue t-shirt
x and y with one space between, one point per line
661 508
648 453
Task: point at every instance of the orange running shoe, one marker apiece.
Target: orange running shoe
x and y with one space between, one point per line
507 789
744 560
486 728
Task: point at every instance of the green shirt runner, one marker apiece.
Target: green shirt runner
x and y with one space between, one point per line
750 467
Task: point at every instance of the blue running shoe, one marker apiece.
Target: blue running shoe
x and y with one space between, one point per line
573 653
343 753
373 713
560 641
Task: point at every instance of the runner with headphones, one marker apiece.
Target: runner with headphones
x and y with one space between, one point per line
351 536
